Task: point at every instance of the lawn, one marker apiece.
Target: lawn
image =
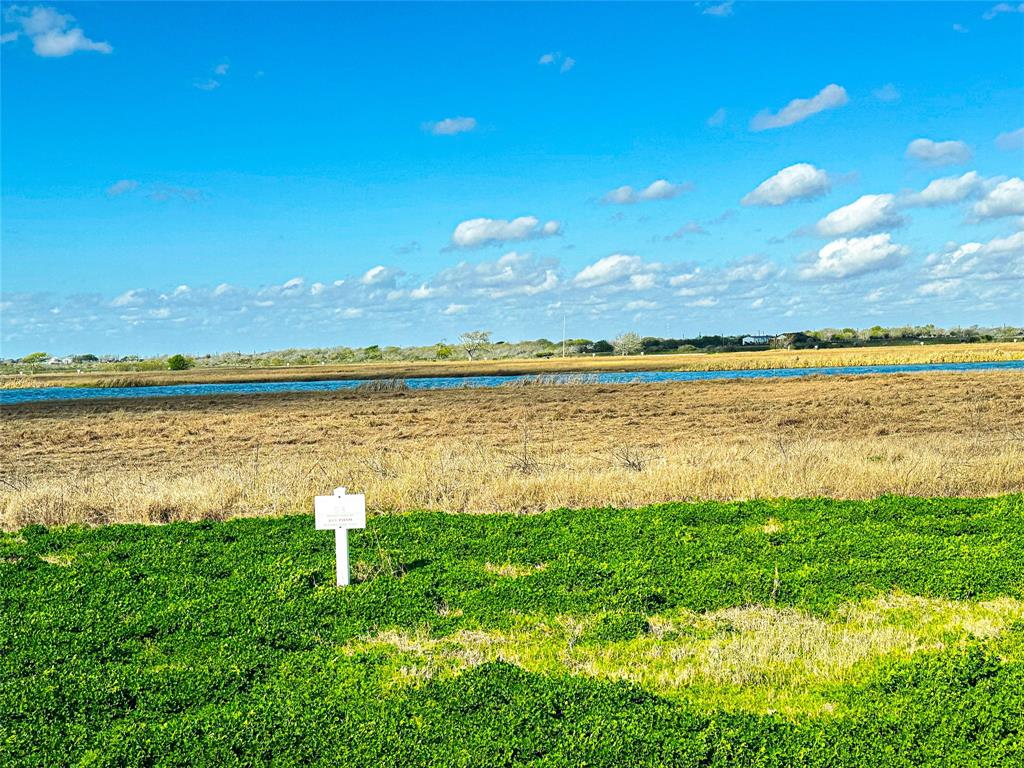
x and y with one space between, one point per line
815 632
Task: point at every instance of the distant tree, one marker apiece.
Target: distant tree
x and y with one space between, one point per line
35 357
628 343
600 347
180 363
85 359
475 342
372 352
442 351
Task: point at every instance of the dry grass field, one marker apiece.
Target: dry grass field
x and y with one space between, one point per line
808 358
520 449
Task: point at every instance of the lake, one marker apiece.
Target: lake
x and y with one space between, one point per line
40 394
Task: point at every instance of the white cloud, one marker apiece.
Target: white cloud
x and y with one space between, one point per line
423 292
656 190
999 8
640 305
960 28
887 92
567 62
455 309
707 301
1005 199
1011 140
719 9
295 282
206 84
316 289
615 269
865 214
689 228
844 258
52 33
221 69
829 97
939 152
128 299
379 276
514 274
121 187
221 289
801 181
718 117
478 232
998 259
451 126
951 189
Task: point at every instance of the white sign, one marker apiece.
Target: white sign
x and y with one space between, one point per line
339 512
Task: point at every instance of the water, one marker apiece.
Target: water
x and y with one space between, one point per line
9 396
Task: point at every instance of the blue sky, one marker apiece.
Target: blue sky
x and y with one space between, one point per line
207 177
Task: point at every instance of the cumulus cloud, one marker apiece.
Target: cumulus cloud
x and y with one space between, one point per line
514 274
656 190
473 233
1005 199
998 259
1011 140
616 269
451 126
939 152
53 34
455 309
850 257
801 181
951 189
379 276
121 187
128 298
867 213
829 97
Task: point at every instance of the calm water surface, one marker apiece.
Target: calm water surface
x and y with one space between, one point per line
8 396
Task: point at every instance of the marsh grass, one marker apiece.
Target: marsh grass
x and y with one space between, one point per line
759 658
516 450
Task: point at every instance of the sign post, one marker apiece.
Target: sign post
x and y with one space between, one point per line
339 512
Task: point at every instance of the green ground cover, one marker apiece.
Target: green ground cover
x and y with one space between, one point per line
779 633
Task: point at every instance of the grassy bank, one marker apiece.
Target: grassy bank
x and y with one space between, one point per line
766 633
808 358
513 449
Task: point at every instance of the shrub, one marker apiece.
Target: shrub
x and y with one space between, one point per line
180 363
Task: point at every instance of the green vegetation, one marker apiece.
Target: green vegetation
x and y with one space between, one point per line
477 345
883 633
180 363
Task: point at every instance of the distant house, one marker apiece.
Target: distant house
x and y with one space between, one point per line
794 340
757 340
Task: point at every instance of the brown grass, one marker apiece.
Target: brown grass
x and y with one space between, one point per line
889 355
513 449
